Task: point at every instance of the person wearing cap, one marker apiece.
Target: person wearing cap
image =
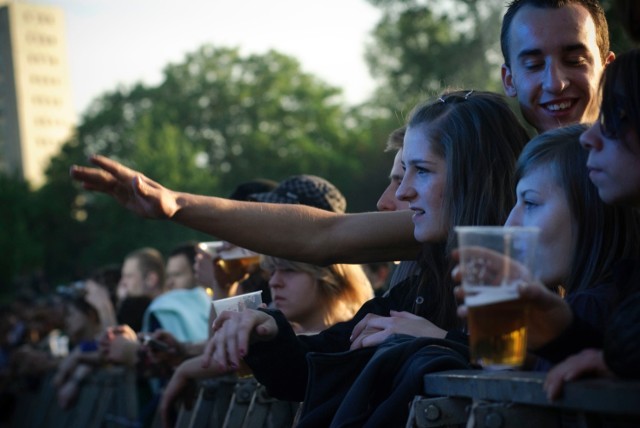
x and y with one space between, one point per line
312 298
308 190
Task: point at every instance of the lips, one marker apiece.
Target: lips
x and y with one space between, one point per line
277 299
594 172
417 212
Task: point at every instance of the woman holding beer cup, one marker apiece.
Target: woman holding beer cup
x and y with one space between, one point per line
581 238
601 191
613 144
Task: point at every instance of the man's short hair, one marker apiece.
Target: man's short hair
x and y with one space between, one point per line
149 260
187 249
395 141
593 6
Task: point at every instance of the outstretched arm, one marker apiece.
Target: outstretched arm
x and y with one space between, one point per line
290 231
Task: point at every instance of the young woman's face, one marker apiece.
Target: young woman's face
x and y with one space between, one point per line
423 186
295 293
541 202
614 164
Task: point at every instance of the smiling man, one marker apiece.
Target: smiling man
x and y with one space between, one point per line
554 53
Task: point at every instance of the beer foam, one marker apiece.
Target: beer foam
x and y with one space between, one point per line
486 295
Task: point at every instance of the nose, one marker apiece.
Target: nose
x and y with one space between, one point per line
405 191
591 139
515 217
275 281
387 201
555 79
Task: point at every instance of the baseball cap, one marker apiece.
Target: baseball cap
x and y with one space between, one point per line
246 189
305 190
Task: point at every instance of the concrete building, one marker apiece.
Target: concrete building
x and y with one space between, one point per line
36 111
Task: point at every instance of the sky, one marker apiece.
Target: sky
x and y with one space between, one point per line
121 42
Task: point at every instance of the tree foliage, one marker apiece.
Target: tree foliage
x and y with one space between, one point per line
217 119
420 47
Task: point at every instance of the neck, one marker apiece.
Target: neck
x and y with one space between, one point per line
312 324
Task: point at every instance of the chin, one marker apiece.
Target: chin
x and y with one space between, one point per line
420 236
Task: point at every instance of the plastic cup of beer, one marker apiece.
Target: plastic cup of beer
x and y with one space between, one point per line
494 260
233 259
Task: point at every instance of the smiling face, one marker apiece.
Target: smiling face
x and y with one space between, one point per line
388 200
423 185
555 66
542 202
614 164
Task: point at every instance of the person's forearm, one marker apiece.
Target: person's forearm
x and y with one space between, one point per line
299 232
93 358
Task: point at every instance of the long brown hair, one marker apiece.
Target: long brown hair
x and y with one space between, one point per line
480 138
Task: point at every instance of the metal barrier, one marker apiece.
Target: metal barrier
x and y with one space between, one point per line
505 399
229 402
107 398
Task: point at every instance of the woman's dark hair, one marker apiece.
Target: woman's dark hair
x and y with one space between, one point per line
604 234
480 138
620 87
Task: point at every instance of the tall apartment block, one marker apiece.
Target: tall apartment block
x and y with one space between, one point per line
36 111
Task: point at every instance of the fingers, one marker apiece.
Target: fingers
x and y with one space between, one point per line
114 168
369 325
360 326
456 273
92 178
208 353
458 293
371 339
555 379
405 315
589 361
230 340
463 311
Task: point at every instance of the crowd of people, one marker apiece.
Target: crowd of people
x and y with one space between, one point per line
328 337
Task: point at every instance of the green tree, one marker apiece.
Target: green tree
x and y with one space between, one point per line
21 250
421 46
217 119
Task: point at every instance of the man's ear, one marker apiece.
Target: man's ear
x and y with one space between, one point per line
610 57
507 81
152 280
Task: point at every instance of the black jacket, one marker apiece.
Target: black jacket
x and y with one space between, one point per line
321 371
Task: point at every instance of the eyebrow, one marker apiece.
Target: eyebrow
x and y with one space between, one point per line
420 162
565 49
524 192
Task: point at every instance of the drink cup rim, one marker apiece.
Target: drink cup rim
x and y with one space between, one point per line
497 230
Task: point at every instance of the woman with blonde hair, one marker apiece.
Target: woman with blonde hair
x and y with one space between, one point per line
313 298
